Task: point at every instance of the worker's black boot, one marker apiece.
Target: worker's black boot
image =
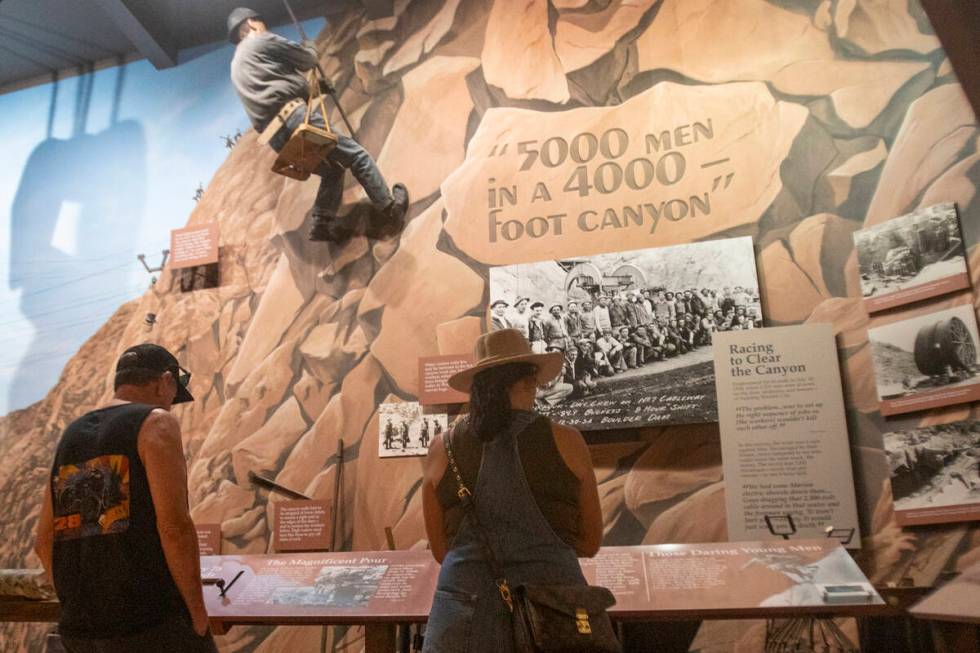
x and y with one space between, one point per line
329 229
399 205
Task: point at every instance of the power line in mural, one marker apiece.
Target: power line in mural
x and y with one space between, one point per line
10 365
55 330
74 260
114 295
98 320
65 284
57 275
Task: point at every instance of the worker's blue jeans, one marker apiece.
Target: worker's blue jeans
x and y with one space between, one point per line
348 154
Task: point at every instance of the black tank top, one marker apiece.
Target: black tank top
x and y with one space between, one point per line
109 570
554 486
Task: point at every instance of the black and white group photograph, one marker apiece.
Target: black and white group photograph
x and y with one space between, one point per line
636 328
404 430
925 357
912 257
935 467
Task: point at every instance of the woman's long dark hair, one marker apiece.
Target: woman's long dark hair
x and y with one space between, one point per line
490 410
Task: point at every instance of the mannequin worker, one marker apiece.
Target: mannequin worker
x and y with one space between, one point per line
267 72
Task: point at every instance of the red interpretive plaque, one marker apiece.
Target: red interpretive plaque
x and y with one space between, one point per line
434 373
197 245
301 525
209 539
344 587
728 579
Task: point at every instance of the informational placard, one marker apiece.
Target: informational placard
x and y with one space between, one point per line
208 539
434 373
785 450
301 525
727 579
197 245
346 586
741 577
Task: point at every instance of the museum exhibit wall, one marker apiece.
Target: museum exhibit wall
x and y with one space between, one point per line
794 123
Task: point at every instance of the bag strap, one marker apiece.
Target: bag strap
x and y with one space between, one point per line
466 498
311 81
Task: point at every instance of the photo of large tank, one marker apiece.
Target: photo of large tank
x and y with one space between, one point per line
929 352
909 252
945 347
935 466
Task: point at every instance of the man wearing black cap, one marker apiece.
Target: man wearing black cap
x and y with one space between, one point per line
115 533
268 74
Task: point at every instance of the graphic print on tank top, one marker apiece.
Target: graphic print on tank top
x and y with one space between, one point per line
91 498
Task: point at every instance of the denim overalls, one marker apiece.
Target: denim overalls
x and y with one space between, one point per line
468 615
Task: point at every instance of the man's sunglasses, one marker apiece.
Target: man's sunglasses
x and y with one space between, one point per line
183 376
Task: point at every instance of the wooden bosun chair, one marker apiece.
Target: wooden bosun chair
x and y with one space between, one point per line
308 145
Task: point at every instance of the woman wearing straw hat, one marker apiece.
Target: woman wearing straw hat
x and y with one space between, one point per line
533 491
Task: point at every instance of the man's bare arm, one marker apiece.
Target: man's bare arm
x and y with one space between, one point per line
162 453
44 541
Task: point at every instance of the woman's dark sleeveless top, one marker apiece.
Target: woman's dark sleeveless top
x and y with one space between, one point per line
554 487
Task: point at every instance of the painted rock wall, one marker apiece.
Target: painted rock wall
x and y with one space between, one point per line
795 123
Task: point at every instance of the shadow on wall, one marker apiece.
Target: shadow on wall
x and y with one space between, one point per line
68 186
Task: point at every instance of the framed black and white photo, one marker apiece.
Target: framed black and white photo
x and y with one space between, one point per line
405 430
935 472
911 258
926 361
635 327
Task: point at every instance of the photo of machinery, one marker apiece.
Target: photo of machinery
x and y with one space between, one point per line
912 257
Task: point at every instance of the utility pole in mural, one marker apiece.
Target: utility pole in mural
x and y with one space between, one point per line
153 270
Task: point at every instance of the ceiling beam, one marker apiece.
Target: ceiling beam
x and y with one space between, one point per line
151 40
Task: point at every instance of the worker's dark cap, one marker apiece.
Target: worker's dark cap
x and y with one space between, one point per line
154 358
238 16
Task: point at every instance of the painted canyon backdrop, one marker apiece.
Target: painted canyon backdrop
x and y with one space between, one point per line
529 130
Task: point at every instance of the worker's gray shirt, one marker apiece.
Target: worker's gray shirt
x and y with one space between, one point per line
267 71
